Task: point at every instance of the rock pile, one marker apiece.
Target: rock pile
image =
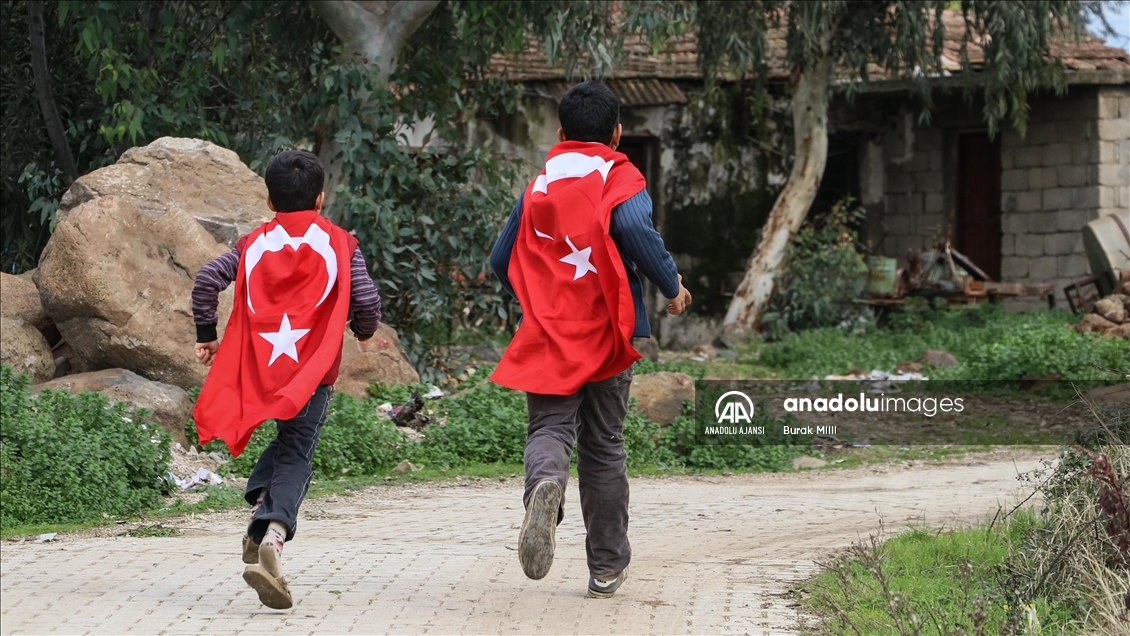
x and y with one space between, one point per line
1110 316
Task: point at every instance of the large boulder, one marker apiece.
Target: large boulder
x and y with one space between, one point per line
661 395
118 283
170 405
208 182
24 349
384 362
20 300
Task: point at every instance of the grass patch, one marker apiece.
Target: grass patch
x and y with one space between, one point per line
152 530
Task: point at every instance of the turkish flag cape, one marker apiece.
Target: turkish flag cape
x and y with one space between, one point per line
283 338
577 310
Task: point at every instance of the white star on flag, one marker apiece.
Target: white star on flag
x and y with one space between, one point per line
283 340
579 259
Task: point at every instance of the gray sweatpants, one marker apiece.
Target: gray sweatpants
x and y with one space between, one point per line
594 418
285 467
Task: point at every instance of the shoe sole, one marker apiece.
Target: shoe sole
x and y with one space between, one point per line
272 592
536 541
250 551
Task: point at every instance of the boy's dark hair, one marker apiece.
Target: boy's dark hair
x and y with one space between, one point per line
589 112
294 180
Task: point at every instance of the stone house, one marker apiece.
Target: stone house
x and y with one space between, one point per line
1014 203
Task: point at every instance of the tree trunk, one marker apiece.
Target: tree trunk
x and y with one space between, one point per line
810 129
376 30
43 92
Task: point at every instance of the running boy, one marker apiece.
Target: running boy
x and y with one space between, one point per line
297 278
569 253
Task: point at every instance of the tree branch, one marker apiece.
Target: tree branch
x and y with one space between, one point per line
43 92
375 29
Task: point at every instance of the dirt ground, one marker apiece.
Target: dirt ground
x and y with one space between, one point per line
711 555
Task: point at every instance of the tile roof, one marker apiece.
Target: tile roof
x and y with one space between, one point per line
679 58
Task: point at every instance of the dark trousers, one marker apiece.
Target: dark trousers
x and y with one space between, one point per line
285 467
594 418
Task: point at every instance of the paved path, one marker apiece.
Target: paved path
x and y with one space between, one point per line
712 555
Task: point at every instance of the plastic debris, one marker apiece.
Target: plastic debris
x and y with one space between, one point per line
46 538
434 393
201 476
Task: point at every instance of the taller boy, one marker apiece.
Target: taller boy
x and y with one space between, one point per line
570 253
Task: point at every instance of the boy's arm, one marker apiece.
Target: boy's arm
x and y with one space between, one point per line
212 279
364 299
632 230
504 246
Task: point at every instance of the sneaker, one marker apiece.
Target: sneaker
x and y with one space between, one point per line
537 539
605 588
250 551
266 578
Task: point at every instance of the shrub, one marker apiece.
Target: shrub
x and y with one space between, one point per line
67 458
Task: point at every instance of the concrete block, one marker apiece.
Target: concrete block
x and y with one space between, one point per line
1014 180
1008 245
1084 152
1109 105
1028 157
900 182
936 160
935 203
1114 174
1057 199
1073 220
1029 201
1014 223
928 139
1068 176
1029 244
1014 267
898 224
910 204
1042 267
1041 178
1041 134
908 243
1084 198
1072 266
1073 130
929 182
1111 151
919 162
1114 129
1008 156
1011 138
1057 154
926 224
1062 243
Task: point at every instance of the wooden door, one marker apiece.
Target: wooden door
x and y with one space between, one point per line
978 231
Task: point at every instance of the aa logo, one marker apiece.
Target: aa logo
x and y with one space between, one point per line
734 407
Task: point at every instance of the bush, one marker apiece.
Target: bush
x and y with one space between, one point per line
988 342
820 273
67 458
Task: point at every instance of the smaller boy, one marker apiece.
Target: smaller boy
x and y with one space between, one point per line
297 279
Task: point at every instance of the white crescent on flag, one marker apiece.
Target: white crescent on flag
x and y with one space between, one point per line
570 165
276 239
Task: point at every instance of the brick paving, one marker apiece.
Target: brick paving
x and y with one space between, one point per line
711 555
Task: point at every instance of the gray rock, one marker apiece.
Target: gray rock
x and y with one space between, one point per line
24 349
808 462
170 405
935 358
207 182
118 285
647 347
661 395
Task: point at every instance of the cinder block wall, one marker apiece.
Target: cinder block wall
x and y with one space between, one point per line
1071 166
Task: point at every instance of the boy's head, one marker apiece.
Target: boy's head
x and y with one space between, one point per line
294 181
590 112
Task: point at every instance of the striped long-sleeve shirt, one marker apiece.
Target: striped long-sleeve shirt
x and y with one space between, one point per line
640 245
213 278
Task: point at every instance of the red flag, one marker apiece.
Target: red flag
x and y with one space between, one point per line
283 338
577 310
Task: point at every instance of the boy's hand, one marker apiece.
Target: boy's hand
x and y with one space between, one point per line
679 303
206 351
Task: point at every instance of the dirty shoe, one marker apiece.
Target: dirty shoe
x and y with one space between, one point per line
605 588
266 577
537 539
250 551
